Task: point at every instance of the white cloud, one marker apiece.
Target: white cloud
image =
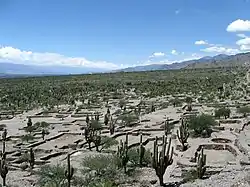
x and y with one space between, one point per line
157 54
10 54
239 26
174 52
245 41
242 35
201 42
219 49
244 44
245 48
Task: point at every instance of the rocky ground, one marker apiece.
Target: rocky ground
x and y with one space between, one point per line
228 162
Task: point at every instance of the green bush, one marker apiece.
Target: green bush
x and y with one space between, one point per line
244 110
99 169
128 119
225 112
108 142
134 157
52 176
189 176
104 165
201 125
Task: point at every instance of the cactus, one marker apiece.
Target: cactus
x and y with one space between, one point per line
4 137
183 134
108 111
29 123
141 151
122 153
161 161
97 117
3 171
111 126
166 127
87 119
69 172
201 164
43 134
32 158
153 108
87 134
93 133
97 141
106 119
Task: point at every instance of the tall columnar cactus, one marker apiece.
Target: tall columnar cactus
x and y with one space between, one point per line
111 126
201 164
166 127
122 154
3 171
32 158
106 119
160 161
141 151
4 137
69 172
87 119
183 134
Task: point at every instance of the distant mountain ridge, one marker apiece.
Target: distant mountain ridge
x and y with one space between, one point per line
241 59
220 60
12 69
176 65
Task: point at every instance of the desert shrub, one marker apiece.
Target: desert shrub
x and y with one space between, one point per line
107 142
2 127
190 175
176 102
30 129
122 103
225 112
52 176
164 105
106 183
27 137
128 119
201 125
188 99
134 157
244 110
99 167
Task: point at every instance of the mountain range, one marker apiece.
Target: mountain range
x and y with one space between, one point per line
222 60
13 70
204 62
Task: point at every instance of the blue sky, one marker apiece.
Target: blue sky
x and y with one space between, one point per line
119 33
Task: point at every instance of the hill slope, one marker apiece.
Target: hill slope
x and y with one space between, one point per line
177 65
229 61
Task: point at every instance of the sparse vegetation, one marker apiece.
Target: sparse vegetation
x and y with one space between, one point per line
201 125
244 110
97 118
225 112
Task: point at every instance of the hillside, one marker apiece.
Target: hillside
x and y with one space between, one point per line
221 60
229 61
176 65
